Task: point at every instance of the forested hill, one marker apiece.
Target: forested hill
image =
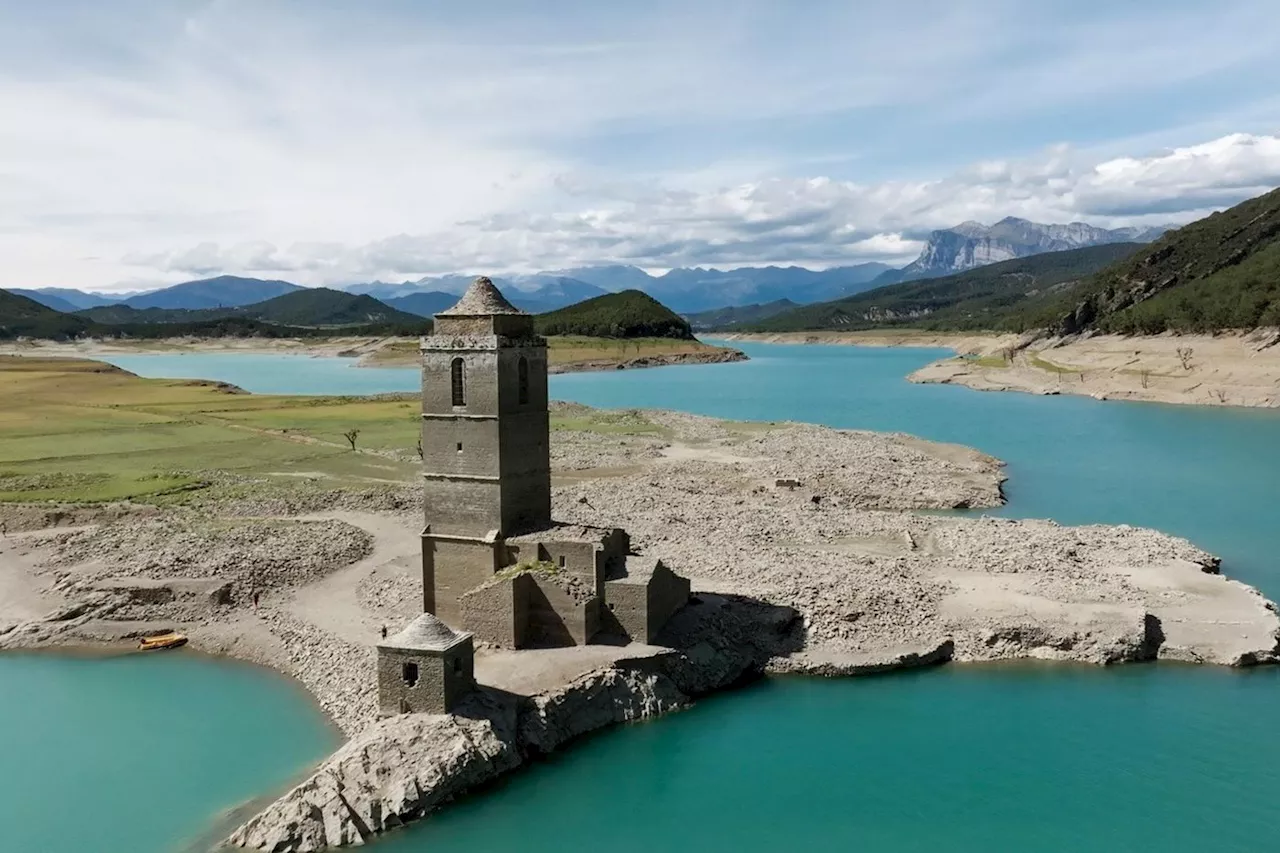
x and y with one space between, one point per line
319 312
1016 294
23 317
292 315
628 314
740 315
1221 272
307 307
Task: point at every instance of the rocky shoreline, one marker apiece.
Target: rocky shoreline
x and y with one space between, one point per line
805 548
712 355
1226 369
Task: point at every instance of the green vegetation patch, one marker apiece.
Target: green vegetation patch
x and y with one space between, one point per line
93 488
628 314
72 433
1048 366
574 418
1220 272
538 568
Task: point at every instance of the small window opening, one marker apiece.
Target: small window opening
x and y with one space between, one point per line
459 446
457 666
562 561
458 380
409 672
522 380
610 605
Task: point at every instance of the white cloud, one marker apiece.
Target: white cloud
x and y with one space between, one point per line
157 142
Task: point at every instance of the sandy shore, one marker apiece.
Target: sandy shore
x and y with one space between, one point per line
1230 369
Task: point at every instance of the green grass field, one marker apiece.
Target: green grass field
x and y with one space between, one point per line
79 431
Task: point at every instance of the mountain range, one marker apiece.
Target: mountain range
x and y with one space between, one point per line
1217 273
971 244
1220 272
302 306
687 290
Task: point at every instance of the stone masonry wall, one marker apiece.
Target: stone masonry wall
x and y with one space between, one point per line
455 568
628 605
426 696
557 618
498 612
667 593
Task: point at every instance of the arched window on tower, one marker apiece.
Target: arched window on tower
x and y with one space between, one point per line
459 381
522 380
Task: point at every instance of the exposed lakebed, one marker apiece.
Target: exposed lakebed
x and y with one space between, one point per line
1055 758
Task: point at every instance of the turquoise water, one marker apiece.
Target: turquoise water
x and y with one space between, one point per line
954 759
1064 758
274 374
141 753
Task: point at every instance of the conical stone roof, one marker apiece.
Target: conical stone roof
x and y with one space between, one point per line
425 632
480 299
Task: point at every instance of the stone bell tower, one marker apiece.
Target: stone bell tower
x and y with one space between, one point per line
485 442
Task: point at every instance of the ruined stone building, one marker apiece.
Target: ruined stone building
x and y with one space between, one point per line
495 565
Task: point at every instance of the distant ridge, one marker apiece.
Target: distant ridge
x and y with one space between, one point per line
1009 294
304 307
66 299
732 316
629 314
970 245
22 317
426 304
224 291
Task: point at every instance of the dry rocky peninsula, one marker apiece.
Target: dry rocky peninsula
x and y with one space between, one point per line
807 548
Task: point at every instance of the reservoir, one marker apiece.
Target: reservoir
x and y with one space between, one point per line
961 758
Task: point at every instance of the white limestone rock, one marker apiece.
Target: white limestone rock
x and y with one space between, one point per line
397 770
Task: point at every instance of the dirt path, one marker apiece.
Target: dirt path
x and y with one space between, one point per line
333 603
22 592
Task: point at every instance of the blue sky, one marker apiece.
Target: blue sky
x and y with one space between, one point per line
327 142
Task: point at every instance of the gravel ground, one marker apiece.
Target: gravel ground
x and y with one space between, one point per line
819 520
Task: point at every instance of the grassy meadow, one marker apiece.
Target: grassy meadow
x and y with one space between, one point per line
80 431
83 431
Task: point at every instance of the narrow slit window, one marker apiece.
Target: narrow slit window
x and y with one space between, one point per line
562 561
522 380
459 446
409 672
459 381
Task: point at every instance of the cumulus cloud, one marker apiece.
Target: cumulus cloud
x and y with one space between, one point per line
811 221
313 143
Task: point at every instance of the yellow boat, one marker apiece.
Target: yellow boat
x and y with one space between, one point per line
170 640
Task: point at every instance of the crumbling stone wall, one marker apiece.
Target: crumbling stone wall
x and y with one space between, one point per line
450 568
561 612
640 605
498 612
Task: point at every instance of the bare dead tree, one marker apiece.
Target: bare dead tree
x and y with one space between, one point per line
1184 356
1146 378
351 435
420 456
